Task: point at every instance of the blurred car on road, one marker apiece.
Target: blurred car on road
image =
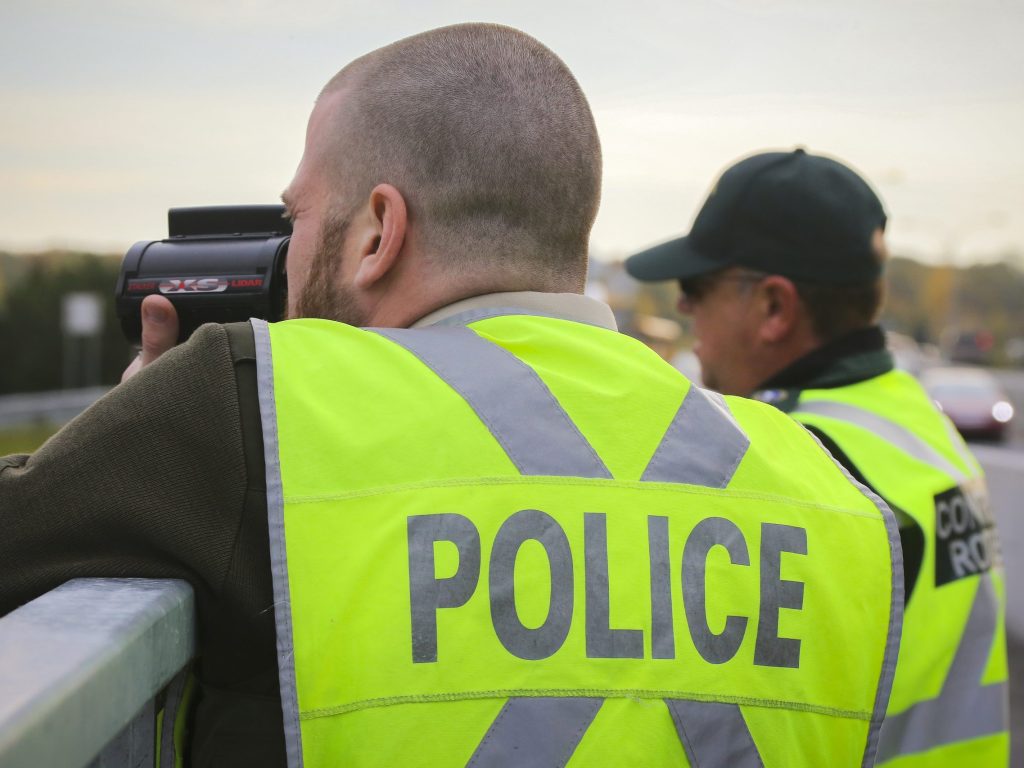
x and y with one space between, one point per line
972 398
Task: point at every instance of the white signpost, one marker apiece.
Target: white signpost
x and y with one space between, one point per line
82 324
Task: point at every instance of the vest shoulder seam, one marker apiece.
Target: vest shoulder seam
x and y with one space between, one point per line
632 693
694 490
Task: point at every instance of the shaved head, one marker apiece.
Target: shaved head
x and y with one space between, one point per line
489 138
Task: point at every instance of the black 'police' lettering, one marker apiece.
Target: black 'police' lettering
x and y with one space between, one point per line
429 594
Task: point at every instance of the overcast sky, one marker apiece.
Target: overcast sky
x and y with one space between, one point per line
115 110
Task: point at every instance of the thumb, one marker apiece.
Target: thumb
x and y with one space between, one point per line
159 327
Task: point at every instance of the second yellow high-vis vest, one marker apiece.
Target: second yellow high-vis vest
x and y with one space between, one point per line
529 541
949 705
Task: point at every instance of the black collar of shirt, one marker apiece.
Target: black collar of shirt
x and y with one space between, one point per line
857 356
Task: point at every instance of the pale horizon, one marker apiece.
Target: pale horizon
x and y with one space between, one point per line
116 111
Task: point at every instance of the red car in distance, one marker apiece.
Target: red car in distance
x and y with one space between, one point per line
972 398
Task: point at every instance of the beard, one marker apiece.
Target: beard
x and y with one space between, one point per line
323 295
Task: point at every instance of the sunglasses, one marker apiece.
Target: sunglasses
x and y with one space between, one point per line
696 289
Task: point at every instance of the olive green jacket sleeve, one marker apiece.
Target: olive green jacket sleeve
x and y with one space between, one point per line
162 477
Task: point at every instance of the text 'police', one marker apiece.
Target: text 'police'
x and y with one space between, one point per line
429 594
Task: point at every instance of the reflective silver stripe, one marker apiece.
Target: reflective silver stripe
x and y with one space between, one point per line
535 732
714 734
892 643
957 441
702 446
976 642
278 553
890 431
964 709
945 720
509 397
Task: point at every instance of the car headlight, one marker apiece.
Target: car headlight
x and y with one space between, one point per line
1002 412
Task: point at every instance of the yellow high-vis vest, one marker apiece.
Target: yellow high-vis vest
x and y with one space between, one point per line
949 705
519 540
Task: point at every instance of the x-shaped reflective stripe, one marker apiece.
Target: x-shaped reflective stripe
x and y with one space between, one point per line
964 709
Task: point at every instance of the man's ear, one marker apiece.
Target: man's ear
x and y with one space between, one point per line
780 307
382 237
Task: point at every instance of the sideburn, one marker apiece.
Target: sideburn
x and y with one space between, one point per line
324 296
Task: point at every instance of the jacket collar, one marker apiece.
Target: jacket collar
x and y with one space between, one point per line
855 357
568 306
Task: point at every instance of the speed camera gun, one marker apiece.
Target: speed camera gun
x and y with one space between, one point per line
218 265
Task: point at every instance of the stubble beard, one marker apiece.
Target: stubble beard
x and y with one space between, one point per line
323 295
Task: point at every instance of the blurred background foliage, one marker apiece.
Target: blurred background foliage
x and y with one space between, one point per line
973 313
939 304
32 345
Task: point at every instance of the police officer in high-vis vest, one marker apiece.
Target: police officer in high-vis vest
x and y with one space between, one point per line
500 532
782 276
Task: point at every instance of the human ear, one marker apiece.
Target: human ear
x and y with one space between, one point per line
780 307
381 245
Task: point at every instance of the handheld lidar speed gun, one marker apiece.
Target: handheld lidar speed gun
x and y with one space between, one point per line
218 264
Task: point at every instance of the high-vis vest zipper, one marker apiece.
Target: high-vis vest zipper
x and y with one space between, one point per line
531 542
949 705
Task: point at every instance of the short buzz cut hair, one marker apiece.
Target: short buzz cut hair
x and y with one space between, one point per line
489 138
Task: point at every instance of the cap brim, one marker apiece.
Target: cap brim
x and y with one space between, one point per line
673 260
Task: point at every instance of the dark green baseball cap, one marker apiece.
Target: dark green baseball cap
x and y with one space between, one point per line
803 216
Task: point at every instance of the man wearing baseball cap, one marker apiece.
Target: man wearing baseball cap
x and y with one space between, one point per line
781 274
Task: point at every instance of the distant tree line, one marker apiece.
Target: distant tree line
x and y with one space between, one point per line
934 304
931 303
938 304
33 348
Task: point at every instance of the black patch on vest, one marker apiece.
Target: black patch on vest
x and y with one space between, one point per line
965 535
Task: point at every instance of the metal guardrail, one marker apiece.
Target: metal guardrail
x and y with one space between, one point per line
47 407
81 669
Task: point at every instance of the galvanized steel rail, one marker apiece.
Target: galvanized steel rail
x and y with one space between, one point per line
81 667
46 407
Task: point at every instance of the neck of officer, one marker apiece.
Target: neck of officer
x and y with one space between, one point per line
413 294
779 354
